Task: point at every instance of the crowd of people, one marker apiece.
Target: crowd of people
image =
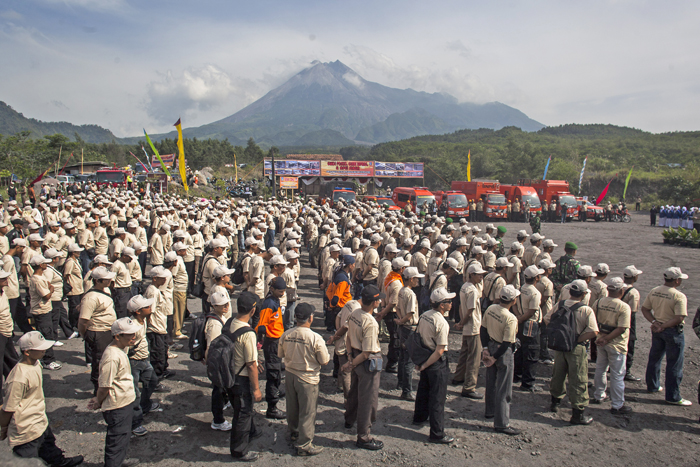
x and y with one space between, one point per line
127 264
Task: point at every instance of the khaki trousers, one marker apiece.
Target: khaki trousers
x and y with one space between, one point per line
179 306
469 362
573 364
302 402
344 379
363 399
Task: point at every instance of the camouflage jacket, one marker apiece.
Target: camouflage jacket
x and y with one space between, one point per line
565 270
535 224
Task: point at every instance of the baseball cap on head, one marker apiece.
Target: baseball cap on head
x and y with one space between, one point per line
522 234
218 299
585 271
546 264
398 263
410 273
138 302
440 295
532 271
372 293
304 311
631 271
475 268
101 259
503 262
169 257
222 271
615 283
125 326
452 263
674 273
34 340
578 286
19 242
278 283
38 259
246 302
477 250
509 293
278 259
602 268
549 243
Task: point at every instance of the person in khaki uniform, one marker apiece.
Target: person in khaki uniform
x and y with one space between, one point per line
432 386
613 316
8 354
304 353
363 344
498 334
157 331
546 288
338 340
406 320
666 308
529 315
574 364
116 395
631 296
40 293
220 305
467 371
23 416
73 275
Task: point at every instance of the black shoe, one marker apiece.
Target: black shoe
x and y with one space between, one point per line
488 416
294 437
444 440
167 374
472 395
517 379
70 461
457 382
554 406
335 375
632 378
624 410
130 462
533 389
598 401
407 396
416 423
392 370
256 435
249 457
578 418
509 430
348 426
161 388
371 445
275 414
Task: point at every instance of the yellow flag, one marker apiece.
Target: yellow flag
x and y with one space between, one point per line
181 159
469 166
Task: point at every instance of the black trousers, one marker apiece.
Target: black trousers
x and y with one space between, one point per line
431 397
118 434
189 267
8 358
273 372
158 348
19 314
121 298
544 342
525 359
329 321
74 310
45 325
218 401
392 355
59 316
241 398
142 371
632 341
44 447
206 307
97 342
143 257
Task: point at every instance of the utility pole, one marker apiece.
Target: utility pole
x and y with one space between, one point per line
271 153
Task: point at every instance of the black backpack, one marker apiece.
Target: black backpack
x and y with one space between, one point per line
238 278
221 362
198 289
425 291
198 340
486 300
417 351
561 330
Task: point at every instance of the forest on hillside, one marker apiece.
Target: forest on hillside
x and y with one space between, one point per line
666 166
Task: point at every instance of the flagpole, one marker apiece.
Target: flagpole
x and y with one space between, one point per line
81 161
235 165
55 172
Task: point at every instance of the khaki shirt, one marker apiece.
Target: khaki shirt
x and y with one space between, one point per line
433 329
470 299
666 303
632 298
304 353
156 250
38 289
115 374
382 271
180 277
566 294
213 329
342 320
513 272
12 289
546 288
208 271
616 313
102 240
598 290
493 283
501 324
257 270
392 292
371 263
6 323
55 278
141 346
135 271
585 318
530 255
24 396
123 277
158 320
407 303
98 308
363 332
73 274
245 348
529 299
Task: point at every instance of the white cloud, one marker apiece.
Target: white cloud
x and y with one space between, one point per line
193 91
94 5
11 15
354 79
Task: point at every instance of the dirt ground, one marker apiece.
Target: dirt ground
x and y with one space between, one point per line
655 434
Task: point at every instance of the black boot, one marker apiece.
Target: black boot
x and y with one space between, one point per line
554 407
578 418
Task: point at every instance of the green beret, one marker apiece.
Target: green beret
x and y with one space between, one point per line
449 220
570 246
422 213
502 229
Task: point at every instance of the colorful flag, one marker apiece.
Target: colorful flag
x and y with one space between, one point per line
148 158
469 166
580 179
604 192
627 182
155 151
43 174
544 177
142 164
181 160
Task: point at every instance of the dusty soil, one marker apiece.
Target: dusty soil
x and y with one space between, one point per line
655 434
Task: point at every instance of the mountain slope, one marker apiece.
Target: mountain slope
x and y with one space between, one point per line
331 96
12 122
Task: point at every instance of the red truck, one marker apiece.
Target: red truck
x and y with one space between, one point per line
557 190
112 177
488 192
592 211
452 204
522 192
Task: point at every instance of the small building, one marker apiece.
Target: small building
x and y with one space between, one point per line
85 167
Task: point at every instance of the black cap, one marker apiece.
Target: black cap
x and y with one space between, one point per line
278 283
303 311
372 293
246 302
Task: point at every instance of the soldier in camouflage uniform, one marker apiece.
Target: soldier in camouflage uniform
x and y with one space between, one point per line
535 223
566 267
500 249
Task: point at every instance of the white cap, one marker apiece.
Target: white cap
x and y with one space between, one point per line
532 271
391 248
461 241
137 302
398 263
439 247
177 246
291 254
631 271
410 273
160 271
615 283
19 242
278 259
549 243
73 247
375 238
52 253
475 268
128 251
536 237
334 247
425 244
35 238
125 326
509 293
503 262
451 262
522 234
169 256
440 295
219 243
34 340
101 259
546 263
102 273
585 271
674 273
477 250
38 259
578 286
218 299
602 268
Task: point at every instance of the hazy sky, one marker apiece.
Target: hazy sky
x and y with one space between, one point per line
126 64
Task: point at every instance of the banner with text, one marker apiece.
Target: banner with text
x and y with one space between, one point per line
289 183
293 167
347 168
398 169
168 160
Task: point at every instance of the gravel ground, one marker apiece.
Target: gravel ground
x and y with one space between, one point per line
654 434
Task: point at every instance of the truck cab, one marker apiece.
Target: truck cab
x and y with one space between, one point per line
524 193
592 211
489 192
557 190
452 204
112 177
419 197
345 194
